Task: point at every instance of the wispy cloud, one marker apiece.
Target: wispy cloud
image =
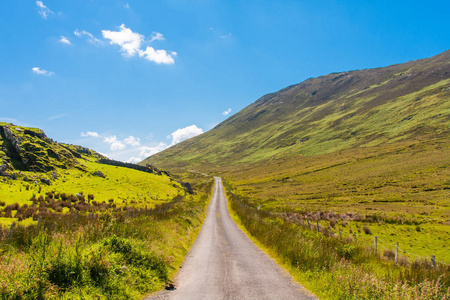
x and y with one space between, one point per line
133 141
226 35
57 117
131 42
90 37
134 160
115 144
65 40
146 151
43 10
156 36
227 112
131 149
90 133
43 72
127 6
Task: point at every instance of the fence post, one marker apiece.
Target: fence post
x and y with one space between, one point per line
396 253
11 230
318 228
356 241
375 242
309 224
340 234
433 261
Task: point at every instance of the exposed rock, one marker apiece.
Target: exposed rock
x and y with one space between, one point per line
99 174
46 181
188 188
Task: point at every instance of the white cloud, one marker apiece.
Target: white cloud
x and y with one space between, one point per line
129 41
134 160
127 6
38 71
185 133
131 140
227 112
90 37
158 56
226 35
90 133
156 36
115 144
43 10
130 44
147 151
65 40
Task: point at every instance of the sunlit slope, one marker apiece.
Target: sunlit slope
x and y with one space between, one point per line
326 114
36 171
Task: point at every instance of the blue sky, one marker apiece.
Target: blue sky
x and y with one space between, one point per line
130 78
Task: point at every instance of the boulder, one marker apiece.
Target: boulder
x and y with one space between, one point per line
46 181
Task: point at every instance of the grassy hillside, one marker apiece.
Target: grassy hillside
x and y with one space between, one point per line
72 228
42 177
361 153
322 115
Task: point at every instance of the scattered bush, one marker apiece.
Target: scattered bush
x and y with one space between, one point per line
367 230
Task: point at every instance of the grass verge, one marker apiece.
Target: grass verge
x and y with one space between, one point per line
339 269
113 256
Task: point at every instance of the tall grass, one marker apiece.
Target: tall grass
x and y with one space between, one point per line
338 268
115 255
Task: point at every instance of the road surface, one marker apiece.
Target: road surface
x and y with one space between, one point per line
224 263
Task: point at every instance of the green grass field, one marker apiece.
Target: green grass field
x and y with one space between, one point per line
121 186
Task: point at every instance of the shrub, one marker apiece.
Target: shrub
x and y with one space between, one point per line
389 254
367 230
98 267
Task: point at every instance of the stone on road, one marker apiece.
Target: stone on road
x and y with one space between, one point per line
224 263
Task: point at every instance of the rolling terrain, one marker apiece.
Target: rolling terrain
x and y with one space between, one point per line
356 109
360 154
74 228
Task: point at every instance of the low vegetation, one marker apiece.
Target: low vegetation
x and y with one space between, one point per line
108 255
339 268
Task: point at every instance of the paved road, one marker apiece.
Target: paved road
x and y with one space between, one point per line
225 264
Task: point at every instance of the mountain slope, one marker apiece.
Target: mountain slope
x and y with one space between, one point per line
326 114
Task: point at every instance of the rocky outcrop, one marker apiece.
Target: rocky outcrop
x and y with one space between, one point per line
188 188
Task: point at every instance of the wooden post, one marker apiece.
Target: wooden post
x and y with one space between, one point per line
433 261
39 222
318 228
375 242
340 234
396 253
11 230
356 241
309 224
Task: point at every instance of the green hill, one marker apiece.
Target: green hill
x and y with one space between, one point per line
326 114
41 177
352 149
